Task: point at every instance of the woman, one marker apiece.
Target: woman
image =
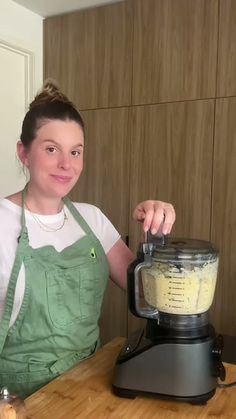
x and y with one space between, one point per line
55 256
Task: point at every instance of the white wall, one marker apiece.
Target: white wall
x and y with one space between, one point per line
21 75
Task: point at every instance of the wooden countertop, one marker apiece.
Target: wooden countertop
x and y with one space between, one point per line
85 392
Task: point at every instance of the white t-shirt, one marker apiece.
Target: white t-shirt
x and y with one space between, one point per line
10 227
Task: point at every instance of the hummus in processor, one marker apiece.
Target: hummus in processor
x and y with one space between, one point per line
180 288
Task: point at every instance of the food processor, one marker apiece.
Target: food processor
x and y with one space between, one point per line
178 354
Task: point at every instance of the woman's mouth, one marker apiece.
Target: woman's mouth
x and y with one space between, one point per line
61 179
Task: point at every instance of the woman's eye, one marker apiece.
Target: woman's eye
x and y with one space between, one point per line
51 149
75 153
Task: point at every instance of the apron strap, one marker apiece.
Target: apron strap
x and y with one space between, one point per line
81 221
4 326
22 239
23 196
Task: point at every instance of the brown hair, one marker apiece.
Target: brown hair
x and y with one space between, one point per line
49 104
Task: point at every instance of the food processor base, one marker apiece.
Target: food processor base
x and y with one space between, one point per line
201 399
180 369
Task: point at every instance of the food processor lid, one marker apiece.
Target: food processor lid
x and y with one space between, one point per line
167 247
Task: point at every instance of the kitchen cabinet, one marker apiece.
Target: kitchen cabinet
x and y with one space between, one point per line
89 53
226 80
174 50
224 214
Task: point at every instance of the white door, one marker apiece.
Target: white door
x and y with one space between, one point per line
21 46
16 68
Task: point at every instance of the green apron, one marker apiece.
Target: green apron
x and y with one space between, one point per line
57 325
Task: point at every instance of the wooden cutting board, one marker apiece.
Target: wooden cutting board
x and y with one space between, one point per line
85 392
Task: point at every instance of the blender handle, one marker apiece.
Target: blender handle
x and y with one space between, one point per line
142 312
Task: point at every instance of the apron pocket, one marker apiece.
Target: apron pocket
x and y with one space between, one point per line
72 294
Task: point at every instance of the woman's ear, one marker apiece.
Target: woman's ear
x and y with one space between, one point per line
22 154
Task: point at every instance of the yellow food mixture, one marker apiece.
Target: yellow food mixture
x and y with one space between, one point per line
182 290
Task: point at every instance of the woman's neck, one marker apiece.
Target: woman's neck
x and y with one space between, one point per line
42 204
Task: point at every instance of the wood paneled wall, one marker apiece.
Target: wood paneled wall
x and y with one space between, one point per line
90 53
223 226
155 80
175 46
226 80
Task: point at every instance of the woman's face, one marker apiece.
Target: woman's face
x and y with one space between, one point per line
55 158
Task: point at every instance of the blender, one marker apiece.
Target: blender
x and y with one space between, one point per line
178 354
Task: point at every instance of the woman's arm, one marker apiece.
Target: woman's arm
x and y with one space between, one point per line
119 258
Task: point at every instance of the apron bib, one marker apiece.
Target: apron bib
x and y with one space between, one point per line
57 325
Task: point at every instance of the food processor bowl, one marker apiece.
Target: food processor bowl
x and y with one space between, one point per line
178 277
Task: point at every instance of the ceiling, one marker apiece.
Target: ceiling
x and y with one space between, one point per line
47 8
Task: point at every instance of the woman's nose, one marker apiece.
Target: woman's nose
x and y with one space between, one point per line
64 161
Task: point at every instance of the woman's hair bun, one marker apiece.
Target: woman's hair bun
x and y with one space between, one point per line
51 86
49 104
50 92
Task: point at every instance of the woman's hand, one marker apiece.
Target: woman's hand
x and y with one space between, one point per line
155 215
